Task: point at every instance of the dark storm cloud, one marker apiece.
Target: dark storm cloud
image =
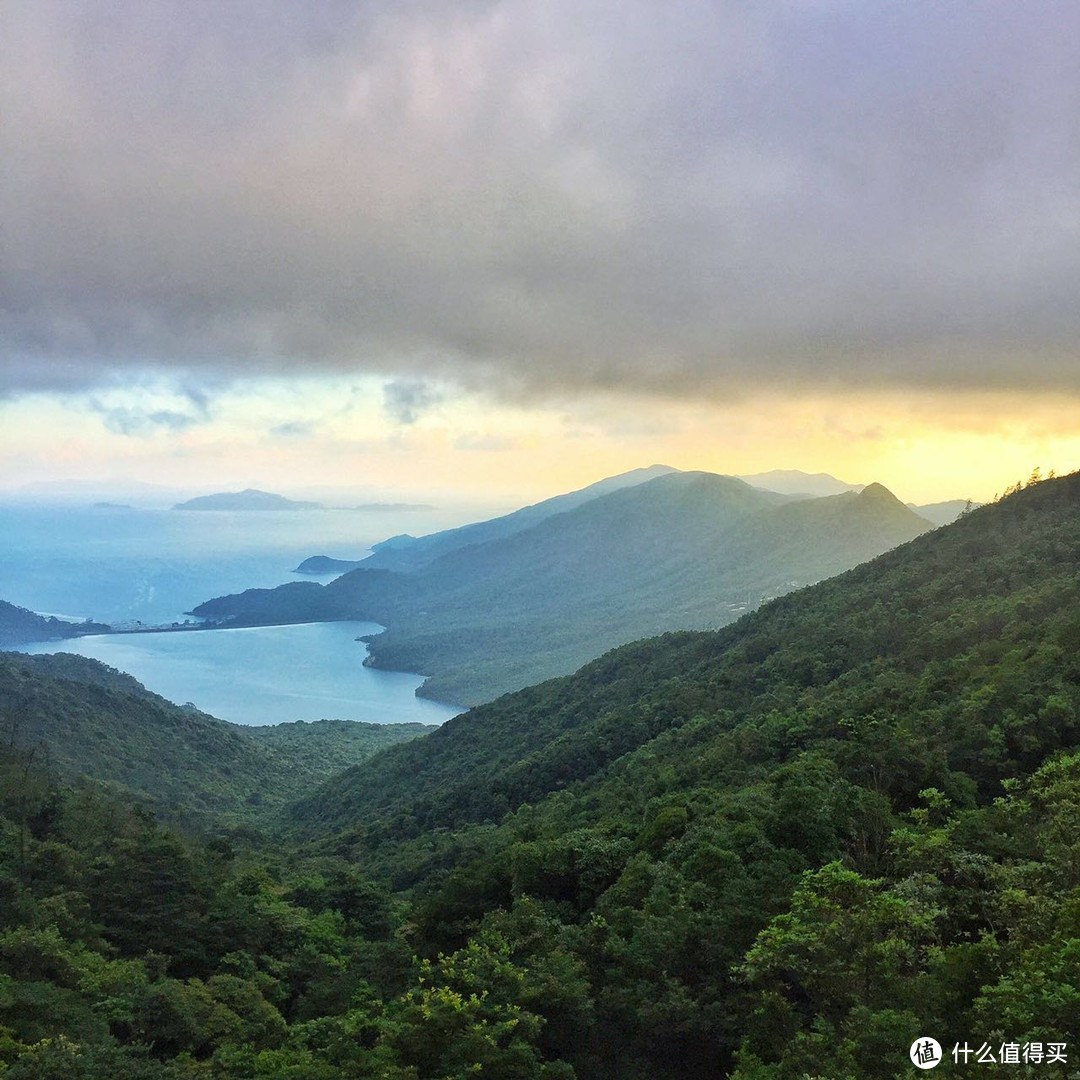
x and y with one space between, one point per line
684 198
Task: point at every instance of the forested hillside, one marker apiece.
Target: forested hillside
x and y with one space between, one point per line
782 846
682 551
88 719
413 552
825 662
781 850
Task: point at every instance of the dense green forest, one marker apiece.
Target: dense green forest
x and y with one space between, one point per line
777 851
480 611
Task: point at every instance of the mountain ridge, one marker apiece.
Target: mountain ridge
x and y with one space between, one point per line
785 848
962 568
797 482
683 550
410 552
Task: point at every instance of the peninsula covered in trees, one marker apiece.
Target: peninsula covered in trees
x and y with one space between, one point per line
498 605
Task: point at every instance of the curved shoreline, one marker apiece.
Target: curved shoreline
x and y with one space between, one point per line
325 659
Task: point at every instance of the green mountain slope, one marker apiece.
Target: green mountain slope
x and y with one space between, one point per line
92 720
785 848
825 652
318 749
682 551
411 552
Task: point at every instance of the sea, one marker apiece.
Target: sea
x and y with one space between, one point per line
148 567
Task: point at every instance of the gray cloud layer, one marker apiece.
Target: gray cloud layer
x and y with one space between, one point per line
406 400
686 197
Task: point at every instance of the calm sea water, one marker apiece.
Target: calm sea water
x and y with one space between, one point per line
153 565
120 565
267 674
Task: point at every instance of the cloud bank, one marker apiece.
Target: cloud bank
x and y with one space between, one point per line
687 198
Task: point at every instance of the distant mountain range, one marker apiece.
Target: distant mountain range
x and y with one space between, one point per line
961 597
405 552
495 606
325 564
944 513
795 482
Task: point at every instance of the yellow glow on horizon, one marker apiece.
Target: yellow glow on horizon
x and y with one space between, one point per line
924 447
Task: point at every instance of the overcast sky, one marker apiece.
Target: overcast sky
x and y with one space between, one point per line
518 243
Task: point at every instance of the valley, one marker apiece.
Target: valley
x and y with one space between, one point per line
848 811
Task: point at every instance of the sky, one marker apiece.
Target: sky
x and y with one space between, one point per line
499 249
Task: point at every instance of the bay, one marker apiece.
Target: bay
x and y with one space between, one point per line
151 565
266 674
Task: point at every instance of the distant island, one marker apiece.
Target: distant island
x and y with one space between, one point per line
253 499
248 499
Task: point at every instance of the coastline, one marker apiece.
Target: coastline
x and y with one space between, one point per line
313 672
